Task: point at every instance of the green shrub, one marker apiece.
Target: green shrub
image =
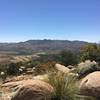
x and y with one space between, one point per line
67 58
13 69
91 52
65 87
87 67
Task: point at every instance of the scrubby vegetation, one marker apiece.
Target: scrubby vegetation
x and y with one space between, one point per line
67 58
91 52
87 67
13 69
65 85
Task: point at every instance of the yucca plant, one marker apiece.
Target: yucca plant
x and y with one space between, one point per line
65 87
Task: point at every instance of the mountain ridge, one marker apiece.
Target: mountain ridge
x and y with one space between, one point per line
48 46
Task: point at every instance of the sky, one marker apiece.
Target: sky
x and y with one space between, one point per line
22 20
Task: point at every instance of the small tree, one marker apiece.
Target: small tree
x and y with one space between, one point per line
67 58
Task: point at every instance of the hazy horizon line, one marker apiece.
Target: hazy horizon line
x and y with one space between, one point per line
49 39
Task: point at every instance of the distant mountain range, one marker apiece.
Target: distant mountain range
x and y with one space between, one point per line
39 46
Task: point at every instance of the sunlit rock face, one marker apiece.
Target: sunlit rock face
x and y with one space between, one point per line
62 68
32 90
90 85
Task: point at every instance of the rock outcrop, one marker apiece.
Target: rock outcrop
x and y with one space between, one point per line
90 85
32 90
62 68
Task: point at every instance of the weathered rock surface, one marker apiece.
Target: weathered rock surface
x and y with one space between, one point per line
41 77
62 68
90 85
31 90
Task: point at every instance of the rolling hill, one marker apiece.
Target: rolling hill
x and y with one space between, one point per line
38 46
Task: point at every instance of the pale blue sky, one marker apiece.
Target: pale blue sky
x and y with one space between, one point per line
22 20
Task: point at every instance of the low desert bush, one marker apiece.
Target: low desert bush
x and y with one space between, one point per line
65 87
87 67
44 67
12 69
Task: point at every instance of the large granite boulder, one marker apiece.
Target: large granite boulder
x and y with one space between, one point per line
62 68
90 85
31 90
